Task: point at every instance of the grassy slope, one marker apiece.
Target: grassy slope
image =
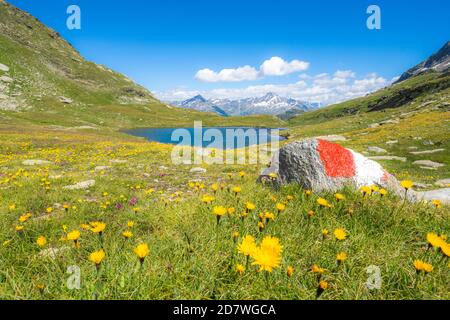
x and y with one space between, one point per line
427 117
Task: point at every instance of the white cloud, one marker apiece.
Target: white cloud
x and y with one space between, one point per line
344 74
228 75
321 88
274 66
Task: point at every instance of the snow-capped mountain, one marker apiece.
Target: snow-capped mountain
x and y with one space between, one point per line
270 103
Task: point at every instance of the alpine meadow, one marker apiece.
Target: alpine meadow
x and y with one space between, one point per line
89 211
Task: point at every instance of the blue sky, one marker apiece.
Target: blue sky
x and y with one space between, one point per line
164 44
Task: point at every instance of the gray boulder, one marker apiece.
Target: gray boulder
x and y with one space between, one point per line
324 166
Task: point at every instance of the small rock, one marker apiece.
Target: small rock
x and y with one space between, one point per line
332 138
443 183
428 163
442 195
402 159
118 161
197 170
413 148
81 185
101 168
376 150
390 121
35 162
6 79
428 143
427 151
392 142
4 68
65 100
374 125
419 185
163 168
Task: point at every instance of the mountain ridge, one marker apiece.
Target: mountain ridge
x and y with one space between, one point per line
438 62
269 104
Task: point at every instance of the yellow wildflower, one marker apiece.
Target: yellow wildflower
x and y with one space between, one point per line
41 241
340 234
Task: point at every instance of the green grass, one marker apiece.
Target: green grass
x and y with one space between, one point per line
190 256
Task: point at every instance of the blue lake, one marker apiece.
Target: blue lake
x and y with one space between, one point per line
212 137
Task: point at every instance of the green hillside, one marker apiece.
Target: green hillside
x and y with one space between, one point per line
50 83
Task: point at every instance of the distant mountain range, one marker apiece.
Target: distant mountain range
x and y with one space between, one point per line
438 62
271 104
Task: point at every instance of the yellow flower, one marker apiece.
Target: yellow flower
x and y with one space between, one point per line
434 240
261 226
24 218
272 175
339 197
235 235
49 210
311 213
407 184
323 285
323 203
341 257
242 174
248 246
445 248
340 234
41 241
237 190
73 235
141 251
280 207
269 216
290 198
250 206
130 224
219 211
207 199
214 187
240 269
437 203
6 243
423 266
12 207
290 271
97 257
316 269
366 190
231 211
268 255
308 192
325 232
383 192
19 228
127 234
98 227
